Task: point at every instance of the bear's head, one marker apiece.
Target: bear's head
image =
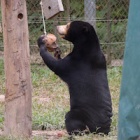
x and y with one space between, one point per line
77 32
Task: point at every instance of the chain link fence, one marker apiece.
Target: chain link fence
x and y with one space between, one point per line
109 17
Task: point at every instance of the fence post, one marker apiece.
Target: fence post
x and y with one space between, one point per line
109 32
17 68
90 11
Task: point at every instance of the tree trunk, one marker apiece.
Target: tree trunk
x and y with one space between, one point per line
18 116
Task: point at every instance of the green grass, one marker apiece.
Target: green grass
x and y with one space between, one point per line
50 101
2 79
2 89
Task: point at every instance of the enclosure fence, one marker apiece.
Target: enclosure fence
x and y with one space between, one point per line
109 17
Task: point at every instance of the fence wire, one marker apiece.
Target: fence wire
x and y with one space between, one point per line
108 17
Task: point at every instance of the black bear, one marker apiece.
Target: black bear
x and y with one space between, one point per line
84 71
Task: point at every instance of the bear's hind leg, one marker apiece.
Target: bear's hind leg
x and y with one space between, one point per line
74 123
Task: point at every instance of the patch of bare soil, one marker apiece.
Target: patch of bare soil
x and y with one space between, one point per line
2 98
48 135
117 62
51 135
1 132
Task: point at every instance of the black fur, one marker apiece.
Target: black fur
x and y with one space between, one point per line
84 71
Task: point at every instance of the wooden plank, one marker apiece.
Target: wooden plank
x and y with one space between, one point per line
52 7
18 116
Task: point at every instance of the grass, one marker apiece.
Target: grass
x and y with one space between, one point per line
50 102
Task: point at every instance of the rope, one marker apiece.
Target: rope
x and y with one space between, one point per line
43 18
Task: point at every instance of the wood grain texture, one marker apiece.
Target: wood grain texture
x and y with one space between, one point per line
52 7
18 116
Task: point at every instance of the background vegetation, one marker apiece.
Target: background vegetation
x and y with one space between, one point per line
111 21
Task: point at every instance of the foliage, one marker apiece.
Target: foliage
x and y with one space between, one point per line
116 9
110 22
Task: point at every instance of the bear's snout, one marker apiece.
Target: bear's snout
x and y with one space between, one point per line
62 30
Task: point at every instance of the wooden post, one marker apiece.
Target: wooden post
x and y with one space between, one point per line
17 68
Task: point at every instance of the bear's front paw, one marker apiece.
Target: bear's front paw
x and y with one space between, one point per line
41 41
57 53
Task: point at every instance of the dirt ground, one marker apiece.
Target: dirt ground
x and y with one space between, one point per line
48 135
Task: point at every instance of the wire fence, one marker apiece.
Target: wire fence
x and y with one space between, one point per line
108 17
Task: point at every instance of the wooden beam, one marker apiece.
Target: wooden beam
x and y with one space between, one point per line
18 116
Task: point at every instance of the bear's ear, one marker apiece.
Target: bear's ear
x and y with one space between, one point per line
85 29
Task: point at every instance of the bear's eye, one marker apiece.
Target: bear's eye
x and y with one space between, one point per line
67 26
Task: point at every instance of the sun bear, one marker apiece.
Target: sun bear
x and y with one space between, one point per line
85 73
